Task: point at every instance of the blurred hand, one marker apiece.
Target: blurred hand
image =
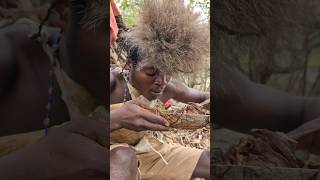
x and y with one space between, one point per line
74 150
78 149
192 107
206 104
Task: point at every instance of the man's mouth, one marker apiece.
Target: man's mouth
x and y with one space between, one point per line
157 91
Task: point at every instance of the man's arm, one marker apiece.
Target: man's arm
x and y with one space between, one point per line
183 93
240 104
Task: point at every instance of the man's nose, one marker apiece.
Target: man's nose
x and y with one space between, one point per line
161 79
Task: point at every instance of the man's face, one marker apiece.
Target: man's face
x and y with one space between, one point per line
148 81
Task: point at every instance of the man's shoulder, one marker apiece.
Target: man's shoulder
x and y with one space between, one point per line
172 89
174 85
115 77
115 74
20 28
19 53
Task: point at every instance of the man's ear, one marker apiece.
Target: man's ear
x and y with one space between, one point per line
128 66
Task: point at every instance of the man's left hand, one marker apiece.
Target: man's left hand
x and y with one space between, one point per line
308 135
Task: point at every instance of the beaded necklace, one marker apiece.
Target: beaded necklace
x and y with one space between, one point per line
46 121
129 89
125 75
55 46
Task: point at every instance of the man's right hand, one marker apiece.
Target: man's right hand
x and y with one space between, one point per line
137 116
74 150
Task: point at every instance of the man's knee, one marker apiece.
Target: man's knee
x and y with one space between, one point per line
203 166
123 156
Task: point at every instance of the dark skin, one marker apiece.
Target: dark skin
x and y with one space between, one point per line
24 72
22 56
258 106
77 150
153 84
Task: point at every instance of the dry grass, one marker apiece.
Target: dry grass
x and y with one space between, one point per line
199 138
189 135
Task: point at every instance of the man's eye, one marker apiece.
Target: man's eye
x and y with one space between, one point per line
151 72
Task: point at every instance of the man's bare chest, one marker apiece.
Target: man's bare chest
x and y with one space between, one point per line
23 106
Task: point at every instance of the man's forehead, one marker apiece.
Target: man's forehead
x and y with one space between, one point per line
147 65
150 66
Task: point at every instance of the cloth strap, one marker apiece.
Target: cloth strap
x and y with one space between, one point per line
114 11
